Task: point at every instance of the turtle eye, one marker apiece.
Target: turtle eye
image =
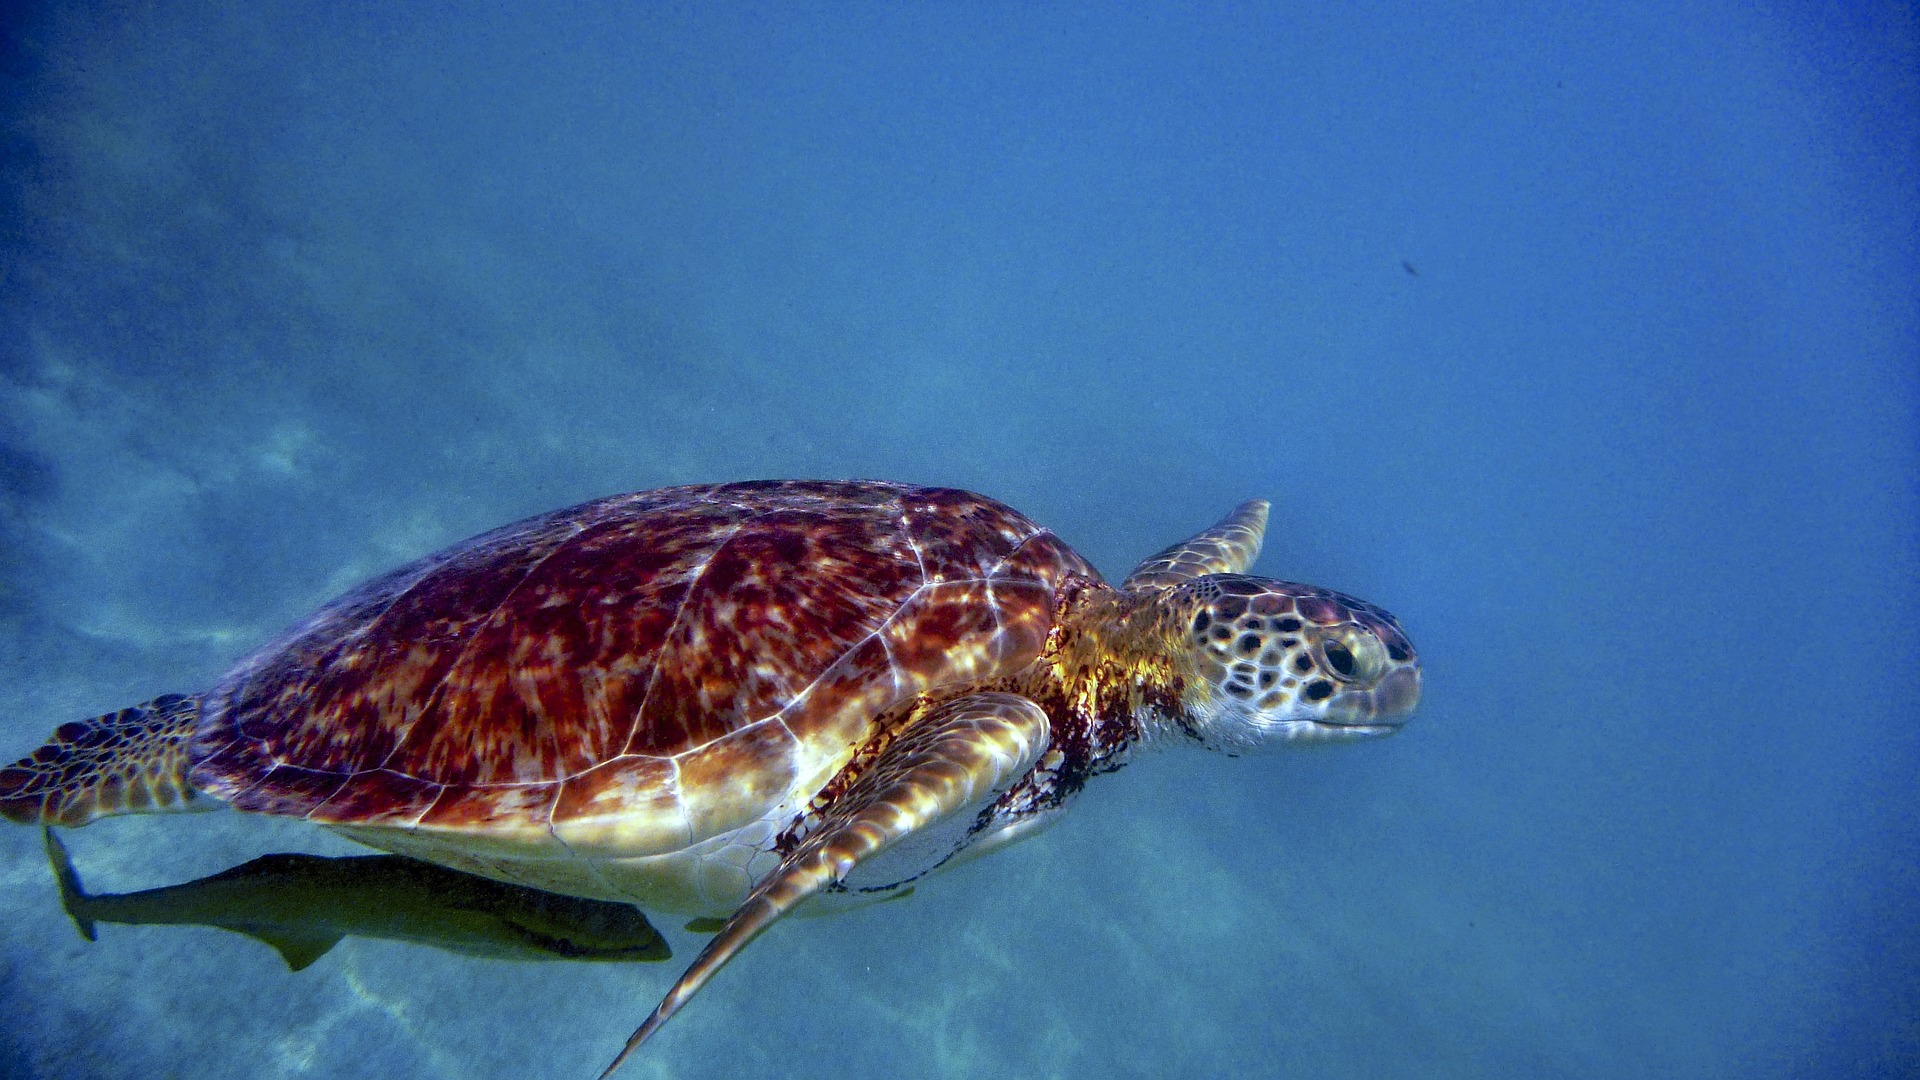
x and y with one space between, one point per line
1354 657
1339 659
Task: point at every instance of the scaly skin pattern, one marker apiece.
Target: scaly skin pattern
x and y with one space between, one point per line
135 761
1105 675
1228 547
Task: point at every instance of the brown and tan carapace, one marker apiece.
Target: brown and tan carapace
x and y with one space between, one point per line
728 700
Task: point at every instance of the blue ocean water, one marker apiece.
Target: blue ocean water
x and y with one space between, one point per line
1584 339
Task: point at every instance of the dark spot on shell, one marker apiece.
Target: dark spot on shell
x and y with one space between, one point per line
1240 691
1303 663
1319 690
1201 622
1249 644
1222 633
1266 679
1287 625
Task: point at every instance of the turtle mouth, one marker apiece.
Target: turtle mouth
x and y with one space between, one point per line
1357 729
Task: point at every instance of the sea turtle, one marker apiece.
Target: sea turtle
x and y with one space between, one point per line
724 700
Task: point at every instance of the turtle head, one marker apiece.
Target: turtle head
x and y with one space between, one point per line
1271 663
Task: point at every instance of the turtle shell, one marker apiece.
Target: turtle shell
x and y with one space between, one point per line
634 674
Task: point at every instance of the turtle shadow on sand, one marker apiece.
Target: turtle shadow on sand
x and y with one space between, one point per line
302 905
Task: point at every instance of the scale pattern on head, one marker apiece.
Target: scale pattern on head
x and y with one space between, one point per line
633 673
1299 651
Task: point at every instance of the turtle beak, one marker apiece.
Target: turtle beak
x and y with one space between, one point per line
1387 704
1398 694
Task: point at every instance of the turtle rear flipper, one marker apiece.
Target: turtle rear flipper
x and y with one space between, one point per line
130 762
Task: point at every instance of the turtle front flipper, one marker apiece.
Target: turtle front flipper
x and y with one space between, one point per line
943 769
129 762
1230 547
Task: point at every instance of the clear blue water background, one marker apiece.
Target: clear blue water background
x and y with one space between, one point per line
1584 340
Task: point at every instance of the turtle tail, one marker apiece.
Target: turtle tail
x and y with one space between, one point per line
130 762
